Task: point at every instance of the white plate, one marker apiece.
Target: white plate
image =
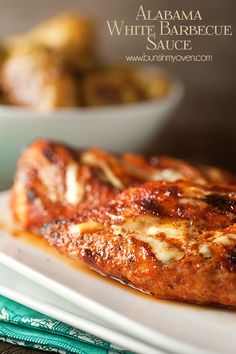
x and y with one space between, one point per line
28 293
172 326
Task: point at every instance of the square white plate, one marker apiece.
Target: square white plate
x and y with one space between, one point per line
173 326
23 290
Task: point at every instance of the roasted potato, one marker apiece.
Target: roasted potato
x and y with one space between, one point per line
70 35
109 86
35 76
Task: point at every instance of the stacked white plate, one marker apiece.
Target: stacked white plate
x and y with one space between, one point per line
139 323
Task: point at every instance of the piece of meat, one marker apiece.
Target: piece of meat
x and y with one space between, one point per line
54 181
174 240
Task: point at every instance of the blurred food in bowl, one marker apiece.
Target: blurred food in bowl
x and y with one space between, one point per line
34 76
56 65
2 61
109 86
70 35
120 85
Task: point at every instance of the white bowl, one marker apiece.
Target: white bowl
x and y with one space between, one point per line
115 128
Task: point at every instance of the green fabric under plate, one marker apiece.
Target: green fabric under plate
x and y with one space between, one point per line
24 326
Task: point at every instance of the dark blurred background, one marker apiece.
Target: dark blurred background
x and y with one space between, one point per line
204 127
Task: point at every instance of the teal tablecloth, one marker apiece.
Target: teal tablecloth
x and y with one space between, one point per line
24 326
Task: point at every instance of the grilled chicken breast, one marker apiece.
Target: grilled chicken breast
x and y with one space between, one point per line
174 240
54 181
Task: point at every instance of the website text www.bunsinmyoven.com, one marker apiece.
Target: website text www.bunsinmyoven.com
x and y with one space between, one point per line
169 58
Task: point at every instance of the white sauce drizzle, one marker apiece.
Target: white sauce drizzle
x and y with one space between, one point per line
205 250
168 174
162 249
225 239
91 159
74 190
78 229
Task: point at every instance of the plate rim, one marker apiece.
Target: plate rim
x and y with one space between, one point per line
81 323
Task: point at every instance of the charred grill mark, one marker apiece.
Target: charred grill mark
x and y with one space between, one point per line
88 255
50 155
98 174
231 260
222 203
31 195
172 191
151 206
